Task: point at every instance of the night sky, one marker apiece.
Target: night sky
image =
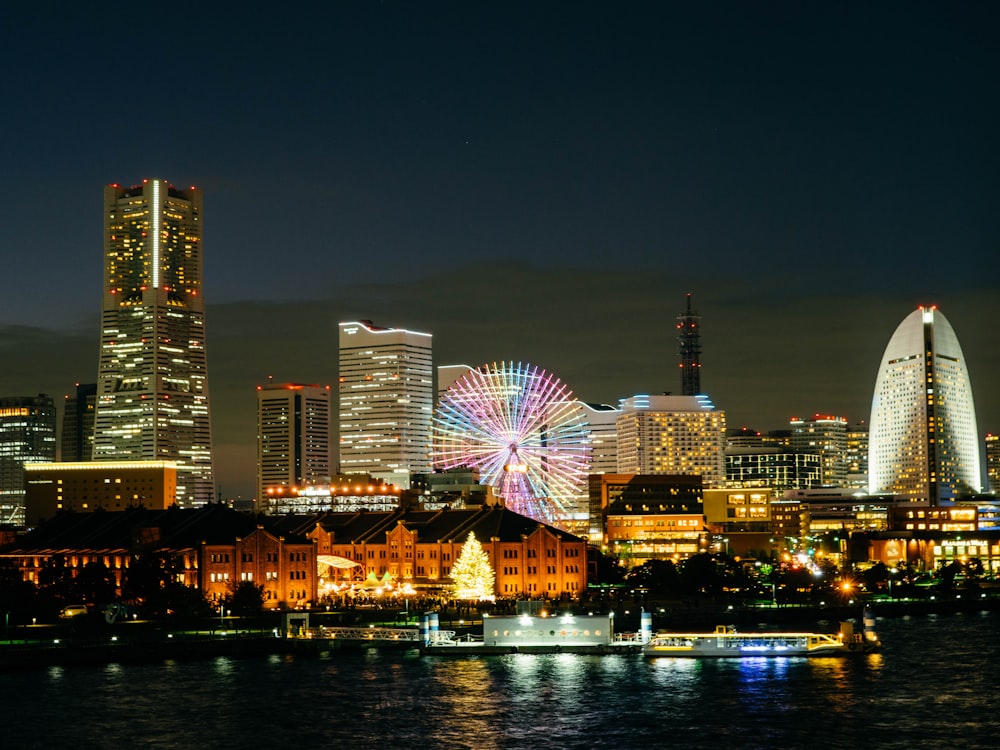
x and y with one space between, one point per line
540 182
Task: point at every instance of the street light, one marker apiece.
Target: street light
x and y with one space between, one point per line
892 572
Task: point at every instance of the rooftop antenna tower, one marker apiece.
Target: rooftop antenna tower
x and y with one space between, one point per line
689 348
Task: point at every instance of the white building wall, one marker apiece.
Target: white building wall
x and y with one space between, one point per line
672 435
386 402
923 440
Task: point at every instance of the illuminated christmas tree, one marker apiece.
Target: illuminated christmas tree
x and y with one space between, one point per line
472 573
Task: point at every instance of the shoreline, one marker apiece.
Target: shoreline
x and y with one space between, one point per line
162 644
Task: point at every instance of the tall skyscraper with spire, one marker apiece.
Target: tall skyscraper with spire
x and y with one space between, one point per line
923 442
689 347
152 387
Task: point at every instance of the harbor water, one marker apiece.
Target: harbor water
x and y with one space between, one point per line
934 684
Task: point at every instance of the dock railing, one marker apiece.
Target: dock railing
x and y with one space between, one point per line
362 634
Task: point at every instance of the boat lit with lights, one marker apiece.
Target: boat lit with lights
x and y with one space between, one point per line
727 642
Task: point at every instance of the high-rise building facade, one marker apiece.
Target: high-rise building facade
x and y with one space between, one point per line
684 435
152 388
993 462
386 402
77 437
825 435
856 456
293 437
923 442
27 435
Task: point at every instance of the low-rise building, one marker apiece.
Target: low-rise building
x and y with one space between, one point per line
215 548
650 516
419 548
212 548
86 486
928 550
908 516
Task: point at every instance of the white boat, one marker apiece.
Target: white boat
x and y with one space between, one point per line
727 642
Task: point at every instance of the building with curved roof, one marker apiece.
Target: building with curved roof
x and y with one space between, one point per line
923 440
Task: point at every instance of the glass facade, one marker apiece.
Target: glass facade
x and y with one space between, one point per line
27 435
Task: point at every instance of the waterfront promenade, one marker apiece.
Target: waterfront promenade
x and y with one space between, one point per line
69 644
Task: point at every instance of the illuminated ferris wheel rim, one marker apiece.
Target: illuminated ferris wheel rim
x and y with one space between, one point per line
519 426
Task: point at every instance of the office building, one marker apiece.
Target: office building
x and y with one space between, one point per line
672 435
856 456
738 511
293 438
152 389
993 462
78 424
647 517
826 436
87 486
27 435
923 441
386 402
774 467
602 425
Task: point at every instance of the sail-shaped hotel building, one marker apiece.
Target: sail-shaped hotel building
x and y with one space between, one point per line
923 440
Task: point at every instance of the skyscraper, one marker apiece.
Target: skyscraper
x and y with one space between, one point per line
78 423
689 348
152 388
993 462
923 442
27 435
386 401
856 456
826 436
293 437
672 435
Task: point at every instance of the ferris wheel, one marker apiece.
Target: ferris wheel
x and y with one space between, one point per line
519 427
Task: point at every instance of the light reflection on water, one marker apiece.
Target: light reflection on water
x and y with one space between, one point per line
932 685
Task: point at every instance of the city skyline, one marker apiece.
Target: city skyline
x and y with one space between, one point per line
756 388
526 183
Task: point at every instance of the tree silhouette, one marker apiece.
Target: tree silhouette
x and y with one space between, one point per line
658 576
152 584
95 584
18 598
245 598
701 573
